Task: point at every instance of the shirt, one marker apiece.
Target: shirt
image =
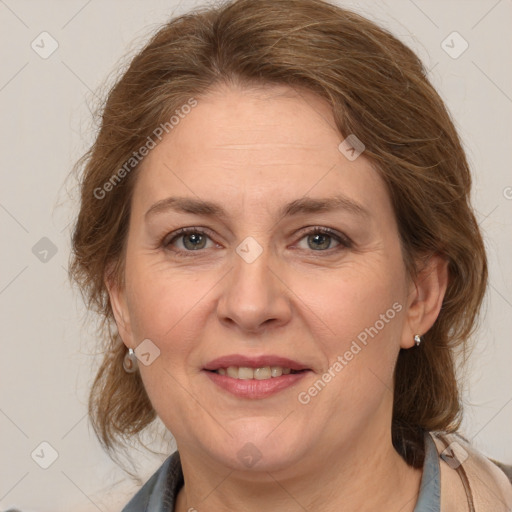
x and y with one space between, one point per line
159 493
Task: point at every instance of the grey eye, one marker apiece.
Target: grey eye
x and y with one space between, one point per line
194 241
319 241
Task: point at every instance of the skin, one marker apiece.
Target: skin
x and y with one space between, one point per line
252 151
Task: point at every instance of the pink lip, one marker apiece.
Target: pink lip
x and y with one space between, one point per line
253 388
254 362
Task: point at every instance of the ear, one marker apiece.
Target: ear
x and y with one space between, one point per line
426 294
119 306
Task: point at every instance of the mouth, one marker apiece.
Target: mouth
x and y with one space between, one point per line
261 373
255 377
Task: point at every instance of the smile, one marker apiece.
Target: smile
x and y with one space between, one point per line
254 383
263 373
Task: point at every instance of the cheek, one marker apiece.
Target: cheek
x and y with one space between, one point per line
361 321
358 317
166 307
160 297
355 300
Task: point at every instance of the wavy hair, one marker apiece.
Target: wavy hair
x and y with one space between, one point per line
378 89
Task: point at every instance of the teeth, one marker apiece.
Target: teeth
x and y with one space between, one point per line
245 373
276 371
232 372
262 373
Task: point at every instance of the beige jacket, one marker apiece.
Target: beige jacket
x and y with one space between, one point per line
470 482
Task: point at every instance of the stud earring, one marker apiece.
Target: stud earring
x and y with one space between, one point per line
418 339
130 364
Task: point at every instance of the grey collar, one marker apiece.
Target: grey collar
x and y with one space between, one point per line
160 492
429 498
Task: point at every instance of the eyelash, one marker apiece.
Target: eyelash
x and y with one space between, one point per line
343 240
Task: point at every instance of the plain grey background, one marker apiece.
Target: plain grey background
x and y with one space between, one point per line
47 357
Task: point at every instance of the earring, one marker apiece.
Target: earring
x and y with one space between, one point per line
418 339
130 364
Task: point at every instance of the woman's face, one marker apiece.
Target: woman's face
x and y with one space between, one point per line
255 277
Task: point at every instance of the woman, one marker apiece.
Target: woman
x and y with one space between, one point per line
276 216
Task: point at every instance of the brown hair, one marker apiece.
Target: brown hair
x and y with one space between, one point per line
378 90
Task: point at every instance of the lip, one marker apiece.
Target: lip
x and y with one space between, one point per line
253 388
254 362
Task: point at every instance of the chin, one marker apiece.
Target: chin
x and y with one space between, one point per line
260 452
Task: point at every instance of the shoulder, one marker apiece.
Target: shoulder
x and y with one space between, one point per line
467 474
159 492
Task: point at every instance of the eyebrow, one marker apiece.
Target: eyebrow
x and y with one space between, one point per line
303 205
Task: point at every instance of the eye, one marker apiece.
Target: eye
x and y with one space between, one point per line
321 239
188 239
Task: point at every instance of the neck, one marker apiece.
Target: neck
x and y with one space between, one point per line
364 476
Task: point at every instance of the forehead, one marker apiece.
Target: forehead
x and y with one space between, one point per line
256 147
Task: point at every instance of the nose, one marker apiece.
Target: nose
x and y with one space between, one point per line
255 297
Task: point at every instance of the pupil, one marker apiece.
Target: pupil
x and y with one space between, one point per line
323 239
195 240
